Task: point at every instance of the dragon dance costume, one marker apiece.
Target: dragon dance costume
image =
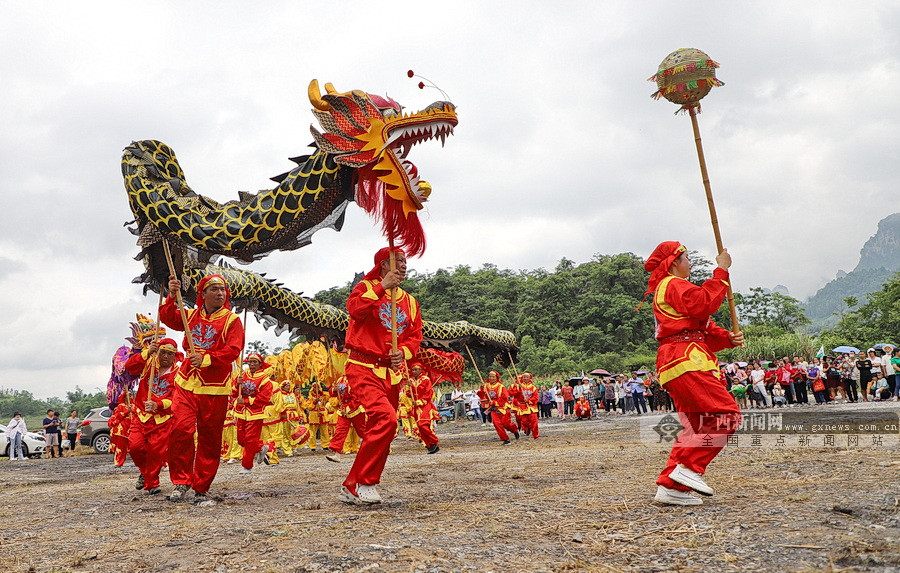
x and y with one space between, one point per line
271 425
526 397
254 389
351 421
687 364
201 393
148 438
231 450
317 420
499 407
119 425
426 412
369 366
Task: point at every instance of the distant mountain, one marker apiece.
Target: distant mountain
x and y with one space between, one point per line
882 250
879 259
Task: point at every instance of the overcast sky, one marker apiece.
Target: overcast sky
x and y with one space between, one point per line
560 151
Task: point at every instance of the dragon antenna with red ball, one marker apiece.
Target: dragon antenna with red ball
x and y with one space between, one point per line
430 84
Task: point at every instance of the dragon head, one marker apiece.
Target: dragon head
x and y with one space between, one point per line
373 135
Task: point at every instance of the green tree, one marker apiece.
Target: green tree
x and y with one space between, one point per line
82 401
770 309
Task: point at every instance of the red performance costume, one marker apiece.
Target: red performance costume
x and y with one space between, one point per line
423 400
369 369
582 408
350 413
119 425
499 407
148 439
201 392
526 397
252 394
688 368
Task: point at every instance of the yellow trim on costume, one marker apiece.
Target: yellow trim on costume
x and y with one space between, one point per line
359 410
695 359
370 291
665 308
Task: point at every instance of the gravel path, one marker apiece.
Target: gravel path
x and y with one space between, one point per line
578 499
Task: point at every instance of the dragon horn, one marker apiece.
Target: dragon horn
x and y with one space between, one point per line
315 96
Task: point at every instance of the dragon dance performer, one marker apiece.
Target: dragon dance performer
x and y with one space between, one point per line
526 397
406 412
351 418
300 431
318 424
582 408
203 384
372 367
290 419
148 439
272 429
119 425
517 406
426 412
498 398
688 368
231 450
252 395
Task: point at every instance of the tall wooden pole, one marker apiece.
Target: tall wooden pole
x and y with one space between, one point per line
393 260
735 327
475 366
184 319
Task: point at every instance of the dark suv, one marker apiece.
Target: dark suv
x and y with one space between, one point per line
95 430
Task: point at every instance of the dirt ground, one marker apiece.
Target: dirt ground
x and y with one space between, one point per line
578 499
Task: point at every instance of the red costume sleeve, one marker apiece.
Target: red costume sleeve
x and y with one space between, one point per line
169 315
135 363
699 301
264 394
717 337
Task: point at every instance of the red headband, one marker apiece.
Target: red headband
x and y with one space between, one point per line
382 255
660 260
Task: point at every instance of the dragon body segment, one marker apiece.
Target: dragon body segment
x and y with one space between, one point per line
313 193
360 155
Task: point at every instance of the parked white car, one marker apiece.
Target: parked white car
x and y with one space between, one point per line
32 444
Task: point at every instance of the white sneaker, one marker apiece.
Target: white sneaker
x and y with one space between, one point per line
690 479
244 470
262 457
675 497
231 460
347 496
334 457
367 494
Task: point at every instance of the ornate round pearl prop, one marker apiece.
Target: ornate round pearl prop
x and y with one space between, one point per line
685 77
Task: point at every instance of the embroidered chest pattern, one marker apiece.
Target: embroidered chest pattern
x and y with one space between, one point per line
384 314
204 335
